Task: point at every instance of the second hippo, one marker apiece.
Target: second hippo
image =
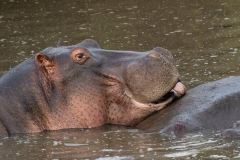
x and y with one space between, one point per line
213 106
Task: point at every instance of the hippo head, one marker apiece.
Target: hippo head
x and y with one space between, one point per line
87 86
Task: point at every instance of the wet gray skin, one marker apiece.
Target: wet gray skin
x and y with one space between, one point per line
84 86
212 106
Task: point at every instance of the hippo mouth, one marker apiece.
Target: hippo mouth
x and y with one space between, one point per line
163 98
176 92
168 95
119 93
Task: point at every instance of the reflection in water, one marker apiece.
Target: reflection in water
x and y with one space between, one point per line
202 35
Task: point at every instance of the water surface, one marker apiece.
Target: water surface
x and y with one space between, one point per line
116 142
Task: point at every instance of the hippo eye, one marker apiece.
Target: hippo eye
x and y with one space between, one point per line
79 56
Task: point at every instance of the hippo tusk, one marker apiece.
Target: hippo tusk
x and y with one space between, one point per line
60 42
176 94
179 90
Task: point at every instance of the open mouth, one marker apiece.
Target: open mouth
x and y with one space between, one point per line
164 98
176 92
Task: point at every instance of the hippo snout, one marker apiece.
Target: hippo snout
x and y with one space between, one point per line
150 78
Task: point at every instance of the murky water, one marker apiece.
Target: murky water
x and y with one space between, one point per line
115 142
202 35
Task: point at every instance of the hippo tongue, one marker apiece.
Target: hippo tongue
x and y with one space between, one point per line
178 91
180 88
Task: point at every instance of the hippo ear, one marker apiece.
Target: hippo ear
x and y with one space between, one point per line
43 61
60 42
89 43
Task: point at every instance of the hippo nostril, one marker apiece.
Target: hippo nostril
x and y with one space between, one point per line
155 55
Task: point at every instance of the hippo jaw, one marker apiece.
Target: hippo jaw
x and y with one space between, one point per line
124 109
157 104
130 112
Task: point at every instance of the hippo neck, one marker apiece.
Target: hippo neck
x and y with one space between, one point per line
22 95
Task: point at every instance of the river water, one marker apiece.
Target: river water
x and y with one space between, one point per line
203 37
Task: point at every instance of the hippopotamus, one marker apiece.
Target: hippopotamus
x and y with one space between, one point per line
213 106
82 86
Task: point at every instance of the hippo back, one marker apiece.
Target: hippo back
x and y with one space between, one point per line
214 106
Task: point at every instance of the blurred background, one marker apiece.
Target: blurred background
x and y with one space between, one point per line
202 35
